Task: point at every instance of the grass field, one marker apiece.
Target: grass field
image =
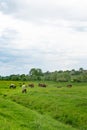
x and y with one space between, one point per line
55 107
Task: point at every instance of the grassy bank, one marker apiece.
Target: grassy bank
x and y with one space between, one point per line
47 106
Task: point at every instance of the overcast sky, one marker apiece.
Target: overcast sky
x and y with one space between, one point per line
46 34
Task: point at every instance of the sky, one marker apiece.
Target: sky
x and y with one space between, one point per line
46 34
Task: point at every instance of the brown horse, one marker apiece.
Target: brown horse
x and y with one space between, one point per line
42 85
69 85
31 85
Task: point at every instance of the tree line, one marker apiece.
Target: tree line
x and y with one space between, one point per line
36 74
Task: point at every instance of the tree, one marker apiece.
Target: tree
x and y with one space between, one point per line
23 77
81 70
35 73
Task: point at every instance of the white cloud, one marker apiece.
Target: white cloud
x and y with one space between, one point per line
47 34
46 9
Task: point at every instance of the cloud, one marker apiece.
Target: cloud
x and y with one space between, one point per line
46 9
48 34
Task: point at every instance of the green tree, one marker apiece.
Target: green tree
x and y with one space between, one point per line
35 73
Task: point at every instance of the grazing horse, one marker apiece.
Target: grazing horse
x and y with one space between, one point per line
31 85
69 85
12 86
24 90
42 85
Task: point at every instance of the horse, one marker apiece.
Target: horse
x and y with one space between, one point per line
24 90
42 85
13 86
69 85
31 85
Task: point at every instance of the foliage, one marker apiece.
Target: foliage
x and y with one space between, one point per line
58 76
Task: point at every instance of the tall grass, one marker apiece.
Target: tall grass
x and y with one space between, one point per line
49 106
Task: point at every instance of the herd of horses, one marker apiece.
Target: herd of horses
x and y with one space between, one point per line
32 85
24 87
29 85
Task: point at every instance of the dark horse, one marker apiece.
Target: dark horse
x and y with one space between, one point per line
42 85
69 85
12 86
31 85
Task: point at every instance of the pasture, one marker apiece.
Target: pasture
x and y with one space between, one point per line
55 107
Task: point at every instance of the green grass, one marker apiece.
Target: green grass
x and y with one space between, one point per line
17 117
48 108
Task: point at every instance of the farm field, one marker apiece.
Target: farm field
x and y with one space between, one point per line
55 107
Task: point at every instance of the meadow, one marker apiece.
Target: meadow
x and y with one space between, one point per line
55 107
